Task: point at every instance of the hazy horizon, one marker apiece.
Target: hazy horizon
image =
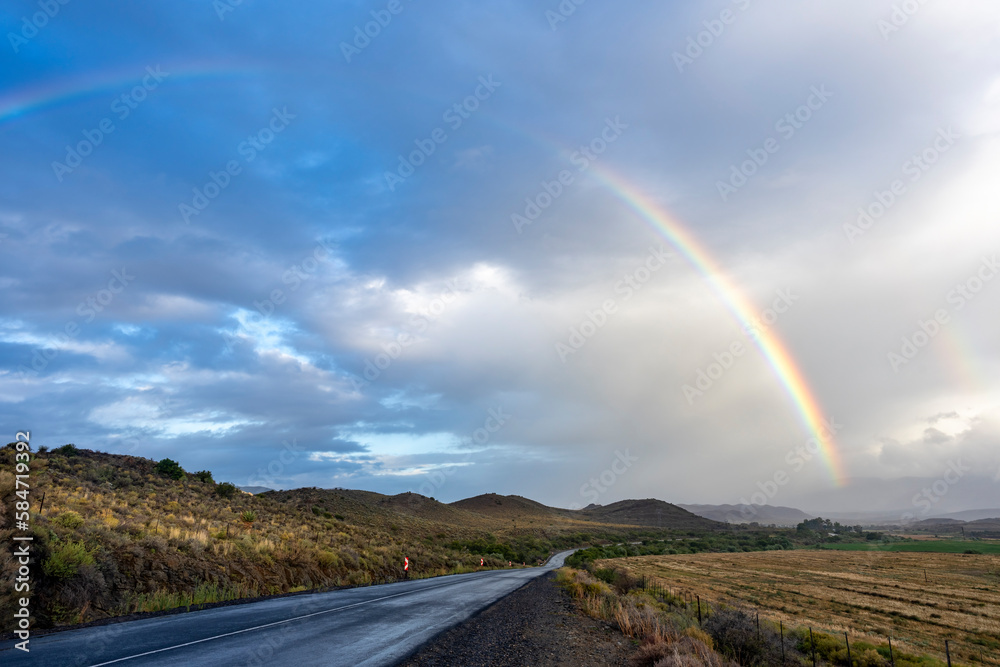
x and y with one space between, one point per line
617 252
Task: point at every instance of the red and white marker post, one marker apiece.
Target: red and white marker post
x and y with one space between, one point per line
406 566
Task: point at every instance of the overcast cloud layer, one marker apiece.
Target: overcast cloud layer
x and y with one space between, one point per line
210 267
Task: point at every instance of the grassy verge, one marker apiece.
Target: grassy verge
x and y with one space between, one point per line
672 632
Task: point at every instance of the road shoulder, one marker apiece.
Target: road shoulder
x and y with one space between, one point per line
538 624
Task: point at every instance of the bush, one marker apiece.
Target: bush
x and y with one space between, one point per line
225 490
204 476
65 560
736 636
69 519
170 468
67 450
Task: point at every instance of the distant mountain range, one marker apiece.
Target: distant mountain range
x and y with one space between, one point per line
765 515
255 489
768 515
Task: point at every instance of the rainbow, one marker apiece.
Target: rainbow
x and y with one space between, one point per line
775 351
57 92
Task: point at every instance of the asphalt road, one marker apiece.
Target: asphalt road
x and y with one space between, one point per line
373 626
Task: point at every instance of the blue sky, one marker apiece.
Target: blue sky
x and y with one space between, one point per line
209 240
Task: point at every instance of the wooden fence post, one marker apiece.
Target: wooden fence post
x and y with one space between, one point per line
892 657
781 627
812 643
848 640
699 609
947 651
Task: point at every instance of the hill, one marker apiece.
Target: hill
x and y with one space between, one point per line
650 512
115 535
765 515
510 508
973 515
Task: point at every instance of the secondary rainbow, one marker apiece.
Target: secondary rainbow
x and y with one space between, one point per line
770 344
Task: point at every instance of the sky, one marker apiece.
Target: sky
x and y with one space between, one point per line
575 252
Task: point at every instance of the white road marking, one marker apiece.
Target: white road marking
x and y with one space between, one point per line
288 620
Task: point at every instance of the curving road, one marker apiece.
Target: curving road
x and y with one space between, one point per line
373 626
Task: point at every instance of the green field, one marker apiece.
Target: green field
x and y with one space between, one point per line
925 546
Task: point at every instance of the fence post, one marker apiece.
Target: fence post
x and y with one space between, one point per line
947 651
758 625
699 609
812 643
892 657
781 627
848 640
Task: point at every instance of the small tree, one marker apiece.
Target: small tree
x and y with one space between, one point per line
66 450
225 490
205 476
170 468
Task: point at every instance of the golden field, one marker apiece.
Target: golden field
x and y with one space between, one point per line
919 599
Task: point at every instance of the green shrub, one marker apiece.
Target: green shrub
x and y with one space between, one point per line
225 490
69 519
65 560
170 468
67 450
204 476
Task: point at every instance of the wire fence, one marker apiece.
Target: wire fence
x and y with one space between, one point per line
695 607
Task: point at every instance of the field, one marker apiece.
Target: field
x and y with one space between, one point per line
919 599
923 545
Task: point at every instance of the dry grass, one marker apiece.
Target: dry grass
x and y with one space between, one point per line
870 595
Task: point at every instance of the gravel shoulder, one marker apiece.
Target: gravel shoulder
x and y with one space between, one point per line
537 625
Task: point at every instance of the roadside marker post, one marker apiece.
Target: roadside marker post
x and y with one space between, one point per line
406 566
